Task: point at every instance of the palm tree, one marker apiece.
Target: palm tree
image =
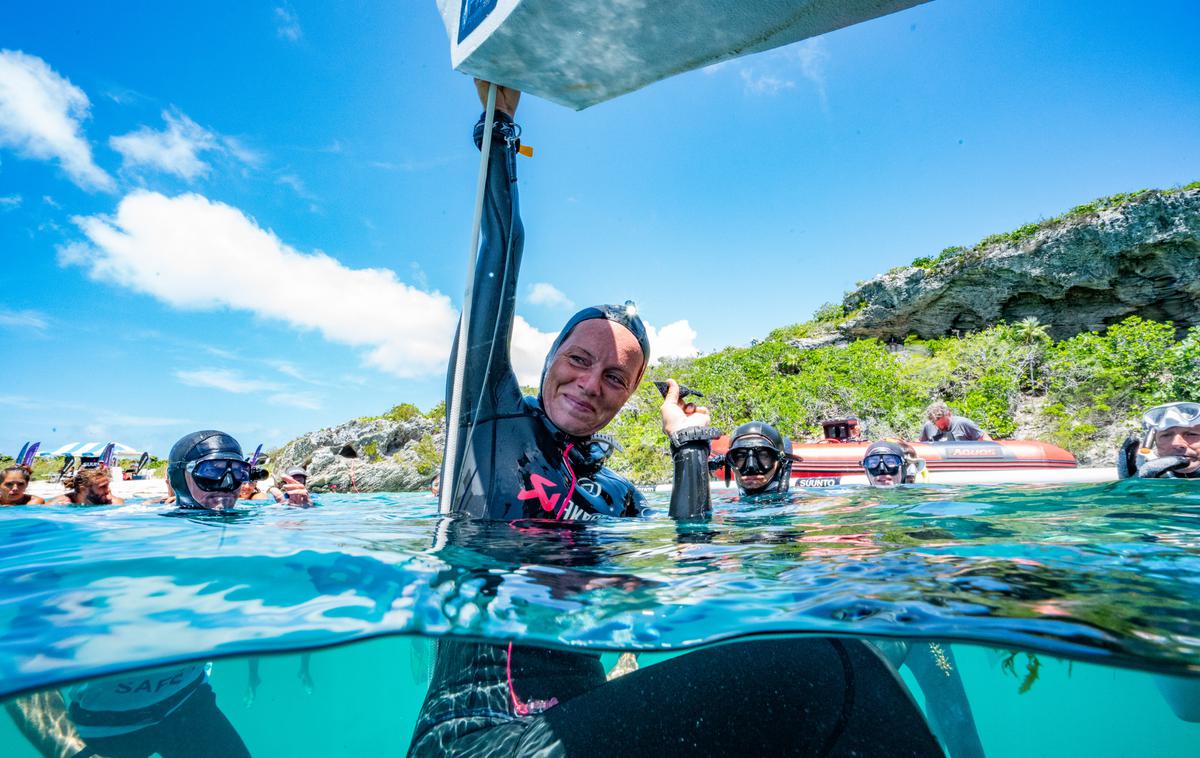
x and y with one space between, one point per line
1033 335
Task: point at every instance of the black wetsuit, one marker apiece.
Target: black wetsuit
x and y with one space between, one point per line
513 462
797 696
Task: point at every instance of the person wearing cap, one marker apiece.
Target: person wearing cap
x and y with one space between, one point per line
207 469
297 475
944 426
760 460
1168 447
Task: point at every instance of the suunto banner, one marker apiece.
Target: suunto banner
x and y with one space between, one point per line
582 52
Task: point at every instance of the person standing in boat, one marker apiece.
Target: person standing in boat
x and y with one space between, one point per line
540 460
944 426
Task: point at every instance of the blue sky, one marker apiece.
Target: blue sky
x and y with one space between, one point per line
328 146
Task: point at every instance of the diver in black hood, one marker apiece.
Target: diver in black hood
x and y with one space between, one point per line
525 457
207 468
760 459
541 458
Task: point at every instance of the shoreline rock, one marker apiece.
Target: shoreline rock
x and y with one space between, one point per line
1080 273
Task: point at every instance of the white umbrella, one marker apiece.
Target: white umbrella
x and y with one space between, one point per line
78 449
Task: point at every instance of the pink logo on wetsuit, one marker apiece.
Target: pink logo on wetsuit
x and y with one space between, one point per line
537 489
539 484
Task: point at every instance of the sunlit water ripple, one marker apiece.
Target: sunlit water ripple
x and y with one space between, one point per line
1109 573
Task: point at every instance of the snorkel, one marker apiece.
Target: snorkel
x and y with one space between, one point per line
1141 455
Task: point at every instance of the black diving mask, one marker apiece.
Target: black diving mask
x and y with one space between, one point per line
883 463
752 460
589 456
219 474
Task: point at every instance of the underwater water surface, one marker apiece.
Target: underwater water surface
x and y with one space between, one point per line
1065 605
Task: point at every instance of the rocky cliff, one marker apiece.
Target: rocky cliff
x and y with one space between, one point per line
367 455
1136 254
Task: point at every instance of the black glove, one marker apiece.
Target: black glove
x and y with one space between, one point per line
1127 456
1161 466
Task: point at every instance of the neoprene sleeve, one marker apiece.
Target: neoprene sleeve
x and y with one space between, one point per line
690 496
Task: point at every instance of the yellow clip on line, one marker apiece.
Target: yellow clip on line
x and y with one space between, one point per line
525 150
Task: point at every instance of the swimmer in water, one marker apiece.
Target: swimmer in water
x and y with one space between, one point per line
760 460
888 463
1174 431
206 470
12 487
522 459
92 486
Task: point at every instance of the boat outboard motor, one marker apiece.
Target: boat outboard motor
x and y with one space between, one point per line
753 448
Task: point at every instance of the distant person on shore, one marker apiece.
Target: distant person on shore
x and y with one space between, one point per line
944 426
207 469
1174 431
12 487
91 486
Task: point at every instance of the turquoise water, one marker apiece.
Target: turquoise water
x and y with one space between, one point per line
1101 584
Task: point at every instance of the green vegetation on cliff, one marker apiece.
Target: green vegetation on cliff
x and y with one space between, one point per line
1026 231
1010 378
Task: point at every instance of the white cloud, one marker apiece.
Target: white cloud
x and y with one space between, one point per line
234 147
675 340
175 150
224 379
776 70
530 346
31 320
287 25
529 349
10 202
543 293
181 250
40 117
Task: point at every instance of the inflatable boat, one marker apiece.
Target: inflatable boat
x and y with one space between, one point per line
837 459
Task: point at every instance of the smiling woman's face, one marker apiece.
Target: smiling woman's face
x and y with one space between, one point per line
591 376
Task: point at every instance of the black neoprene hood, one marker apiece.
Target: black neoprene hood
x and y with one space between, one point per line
625 315
195 447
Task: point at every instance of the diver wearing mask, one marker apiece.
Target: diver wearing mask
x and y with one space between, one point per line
887 464
760 459
1168 445
206 470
